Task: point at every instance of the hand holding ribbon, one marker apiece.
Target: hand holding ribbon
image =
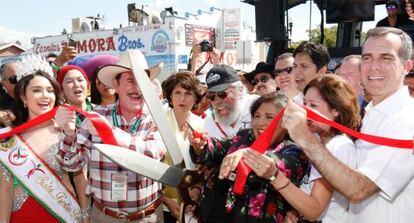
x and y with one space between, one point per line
301 114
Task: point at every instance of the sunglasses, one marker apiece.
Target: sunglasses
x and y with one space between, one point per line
284 71
391 7
212 95
11 79
263 79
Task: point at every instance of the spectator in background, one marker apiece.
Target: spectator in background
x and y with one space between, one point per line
394 18
8 81
262 79
8 77
100 94
203 109
311 60
230 104
409 81
246 83
51 57
350 70
285 79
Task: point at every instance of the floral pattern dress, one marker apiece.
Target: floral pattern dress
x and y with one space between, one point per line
260 202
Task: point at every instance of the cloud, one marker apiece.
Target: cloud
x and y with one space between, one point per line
10 35
211 2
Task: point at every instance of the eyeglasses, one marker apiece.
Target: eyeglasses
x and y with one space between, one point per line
212 95
263 79
284 71
11 79
391 7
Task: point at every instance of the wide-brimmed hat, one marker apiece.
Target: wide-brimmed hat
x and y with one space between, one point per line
261 67
108 72
92 64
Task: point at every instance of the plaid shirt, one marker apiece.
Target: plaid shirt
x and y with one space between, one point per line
74 154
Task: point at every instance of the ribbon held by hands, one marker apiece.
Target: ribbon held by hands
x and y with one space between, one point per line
104 131
262 143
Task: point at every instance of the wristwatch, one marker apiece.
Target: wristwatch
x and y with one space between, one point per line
274 176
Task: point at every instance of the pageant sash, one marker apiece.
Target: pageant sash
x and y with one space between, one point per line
263 141
37 177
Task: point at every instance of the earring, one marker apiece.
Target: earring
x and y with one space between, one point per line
24 104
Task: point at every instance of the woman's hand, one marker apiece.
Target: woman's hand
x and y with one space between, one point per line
173 206
66 120
230 163
198 141
261 164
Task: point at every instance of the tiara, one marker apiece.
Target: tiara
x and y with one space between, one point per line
31 64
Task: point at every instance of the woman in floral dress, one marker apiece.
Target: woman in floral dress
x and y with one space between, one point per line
260 201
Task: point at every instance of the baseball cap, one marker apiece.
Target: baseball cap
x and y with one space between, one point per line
220 77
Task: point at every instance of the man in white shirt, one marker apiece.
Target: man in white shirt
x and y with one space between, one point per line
381 188
230 104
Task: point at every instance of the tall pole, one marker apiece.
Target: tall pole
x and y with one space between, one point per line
310 18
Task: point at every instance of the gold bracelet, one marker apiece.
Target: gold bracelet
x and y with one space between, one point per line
283 187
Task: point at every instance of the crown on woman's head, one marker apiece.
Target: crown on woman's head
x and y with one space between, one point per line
31 64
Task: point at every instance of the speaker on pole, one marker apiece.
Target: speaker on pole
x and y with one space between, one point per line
270 20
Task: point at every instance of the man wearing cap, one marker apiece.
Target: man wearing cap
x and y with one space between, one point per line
230 105
394 19
262 78
118 194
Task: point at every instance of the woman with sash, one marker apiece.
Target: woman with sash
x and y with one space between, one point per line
33 186
260 201
182 91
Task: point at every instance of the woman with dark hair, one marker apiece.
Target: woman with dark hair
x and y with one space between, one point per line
100 93
33 186
335 99
183 93
260 201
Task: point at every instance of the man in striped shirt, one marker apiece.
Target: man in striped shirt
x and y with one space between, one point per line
118 194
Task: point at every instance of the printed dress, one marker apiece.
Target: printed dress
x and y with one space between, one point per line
260 202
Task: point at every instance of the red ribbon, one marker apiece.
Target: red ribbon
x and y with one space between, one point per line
104 131
263 141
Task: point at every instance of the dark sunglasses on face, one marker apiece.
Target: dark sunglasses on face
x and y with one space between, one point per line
284 71
263 79
212 95
391 7
11 79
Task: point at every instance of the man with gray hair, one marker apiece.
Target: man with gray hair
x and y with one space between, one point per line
381 188
230 104
350 70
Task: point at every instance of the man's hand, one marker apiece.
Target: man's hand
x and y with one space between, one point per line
172 206
67 54
66 120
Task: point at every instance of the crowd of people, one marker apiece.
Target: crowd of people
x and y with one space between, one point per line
310 172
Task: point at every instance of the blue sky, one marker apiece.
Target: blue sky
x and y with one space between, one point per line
23 19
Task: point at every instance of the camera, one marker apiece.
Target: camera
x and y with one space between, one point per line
72 42
206 46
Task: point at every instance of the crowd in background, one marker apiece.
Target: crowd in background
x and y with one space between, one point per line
309 172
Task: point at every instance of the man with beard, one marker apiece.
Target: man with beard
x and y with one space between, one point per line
117 193
230 104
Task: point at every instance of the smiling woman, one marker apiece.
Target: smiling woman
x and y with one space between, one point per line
29 157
